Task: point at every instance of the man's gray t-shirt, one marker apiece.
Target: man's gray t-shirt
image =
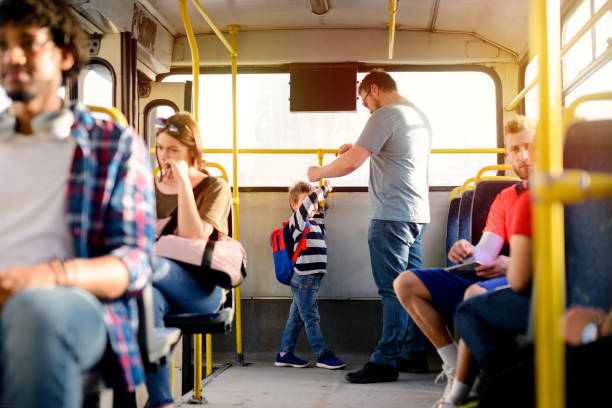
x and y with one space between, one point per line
399 137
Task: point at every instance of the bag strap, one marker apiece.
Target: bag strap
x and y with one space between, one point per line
173 222
302 243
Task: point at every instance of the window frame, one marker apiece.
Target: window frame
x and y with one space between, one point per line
364 68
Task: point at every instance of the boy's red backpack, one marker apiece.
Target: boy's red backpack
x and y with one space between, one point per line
284 259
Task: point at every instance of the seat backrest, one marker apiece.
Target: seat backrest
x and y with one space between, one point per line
588 225
452 225
465 215
484 195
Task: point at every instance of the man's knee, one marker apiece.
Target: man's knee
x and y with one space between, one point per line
473 290
408 285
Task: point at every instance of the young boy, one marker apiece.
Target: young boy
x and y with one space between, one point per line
309 269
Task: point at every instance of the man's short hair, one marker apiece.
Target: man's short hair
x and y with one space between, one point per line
519 124
56 16
381 78
300 187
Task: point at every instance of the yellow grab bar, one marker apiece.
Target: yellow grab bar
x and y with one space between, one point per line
112 112
214 27
494 167
548 229
569 115
456 193
466 184
392 14
573 186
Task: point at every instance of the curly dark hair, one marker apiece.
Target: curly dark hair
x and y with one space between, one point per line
55 15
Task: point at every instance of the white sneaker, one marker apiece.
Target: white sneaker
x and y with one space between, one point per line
449 373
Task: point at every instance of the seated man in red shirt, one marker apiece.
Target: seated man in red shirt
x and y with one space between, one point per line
431 295
488 325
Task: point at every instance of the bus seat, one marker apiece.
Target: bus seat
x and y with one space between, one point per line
200 323
484 195
588 225
452 226
465 215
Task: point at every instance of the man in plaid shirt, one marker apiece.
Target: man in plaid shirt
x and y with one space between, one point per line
76 220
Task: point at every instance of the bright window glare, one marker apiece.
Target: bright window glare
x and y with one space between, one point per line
97 85
460 106
5 102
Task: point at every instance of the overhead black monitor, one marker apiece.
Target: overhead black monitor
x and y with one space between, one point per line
323 89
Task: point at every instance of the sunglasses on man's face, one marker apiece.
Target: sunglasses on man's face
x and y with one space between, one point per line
162 124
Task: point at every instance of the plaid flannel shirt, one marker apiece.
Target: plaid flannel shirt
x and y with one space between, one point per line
111 211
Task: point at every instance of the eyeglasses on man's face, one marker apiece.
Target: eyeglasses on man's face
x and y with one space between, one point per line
27 43
365 98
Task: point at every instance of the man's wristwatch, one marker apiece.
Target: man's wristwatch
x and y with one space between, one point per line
589 333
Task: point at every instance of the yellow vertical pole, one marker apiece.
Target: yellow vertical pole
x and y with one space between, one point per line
392 14
195 69
208 354
548 216
233 30
195 57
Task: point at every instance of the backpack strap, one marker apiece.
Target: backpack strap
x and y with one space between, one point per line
302 244
173 222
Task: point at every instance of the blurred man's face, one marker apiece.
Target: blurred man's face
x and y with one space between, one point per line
31 64
518 150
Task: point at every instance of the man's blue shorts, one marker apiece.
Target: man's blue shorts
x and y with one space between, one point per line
447 289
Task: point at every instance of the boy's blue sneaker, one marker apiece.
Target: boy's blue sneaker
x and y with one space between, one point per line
290 360
330 361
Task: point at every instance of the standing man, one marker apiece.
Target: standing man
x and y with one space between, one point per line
397 139
76 220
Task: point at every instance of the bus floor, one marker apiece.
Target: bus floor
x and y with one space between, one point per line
261 384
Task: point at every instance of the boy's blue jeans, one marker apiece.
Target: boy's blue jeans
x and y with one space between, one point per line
175 289
395 246
304 312
48 337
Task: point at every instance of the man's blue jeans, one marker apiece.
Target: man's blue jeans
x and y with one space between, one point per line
488 322
176 290
48 337
304 312
395 246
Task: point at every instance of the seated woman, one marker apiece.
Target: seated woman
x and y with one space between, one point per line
202 215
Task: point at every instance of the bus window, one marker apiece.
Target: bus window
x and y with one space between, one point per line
96 85
461 106
531 98
592 45
4 100
600 81
152 113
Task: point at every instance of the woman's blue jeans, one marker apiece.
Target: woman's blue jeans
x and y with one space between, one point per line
304 312
48 337
395 246
176 290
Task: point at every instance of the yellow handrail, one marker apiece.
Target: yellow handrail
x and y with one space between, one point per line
454 193
213 26
335 151
113 112
548 234
494 167
466 185
392 14
586 27
569 116
573 186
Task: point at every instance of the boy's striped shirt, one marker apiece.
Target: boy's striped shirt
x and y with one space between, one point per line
314 258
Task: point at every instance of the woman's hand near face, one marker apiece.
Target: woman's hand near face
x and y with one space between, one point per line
178 170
